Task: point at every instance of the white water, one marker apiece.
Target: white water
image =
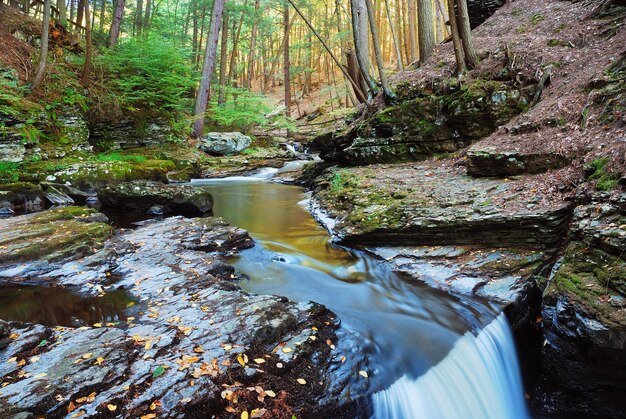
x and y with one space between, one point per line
479 379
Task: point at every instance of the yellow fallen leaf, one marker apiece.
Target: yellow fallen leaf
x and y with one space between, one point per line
244 414
11 360
259 360
301 381
99 361
257 413
112 407
148 345
149 416
40 375
97 325
363 373
21 363
270 393
78 414
286 349
87 355
230 409
198 350
34 359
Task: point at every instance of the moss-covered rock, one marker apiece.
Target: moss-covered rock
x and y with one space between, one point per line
21 195
54 235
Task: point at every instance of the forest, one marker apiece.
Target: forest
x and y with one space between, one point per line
313 208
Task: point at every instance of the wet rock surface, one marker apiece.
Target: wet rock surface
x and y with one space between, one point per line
224 143
22 196
142 195
584 315
488 161
432 203
195 345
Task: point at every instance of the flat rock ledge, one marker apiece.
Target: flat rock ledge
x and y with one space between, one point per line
194 345
431 203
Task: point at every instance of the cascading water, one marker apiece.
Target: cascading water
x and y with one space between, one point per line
479 378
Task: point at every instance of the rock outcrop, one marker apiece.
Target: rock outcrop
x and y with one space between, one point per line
142 195
584 315
194 345
21 196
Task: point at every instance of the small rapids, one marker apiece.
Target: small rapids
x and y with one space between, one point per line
479 378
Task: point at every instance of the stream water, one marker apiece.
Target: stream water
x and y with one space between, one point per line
429 354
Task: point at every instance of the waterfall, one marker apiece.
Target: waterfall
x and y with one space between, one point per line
479 378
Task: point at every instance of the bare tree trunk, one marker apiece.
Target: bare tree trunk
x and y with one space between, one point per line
62 12
146 16
195 48
456 39
88 49
45 30
116 23
276 59
202 99
389 95
286 62
425 29
400 65
233 54
223 59
412 27
139 17
471 58
361 41
253 36
80 12
102 13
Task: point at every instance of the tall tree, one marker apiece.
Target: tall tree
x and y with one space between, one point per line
286 62
471 57
88 49
389 95
396 44
253 36
146 16
425 29
361 42
456 38
139 17
116 23
412 33
43 56
62 10
223 59
202 98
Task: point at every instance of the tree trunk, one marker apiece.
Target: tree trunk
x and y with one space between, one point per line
361 43
72 9
103 4
277 57
253 36
396 44
202 98
146 16
223 59
195 48
286 62
412 27
471 58
116 23
389 95
425 29
62 12
139 17
456 38
45 29
233 54
80 12
87 65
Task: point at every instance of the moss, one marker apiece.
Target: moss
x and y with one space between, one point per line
589 277
605 181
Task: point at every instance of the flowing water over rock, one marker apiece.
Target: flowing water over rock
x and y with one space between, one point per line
413 335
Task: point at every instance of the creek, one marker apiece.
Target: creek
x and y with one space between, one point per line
430 354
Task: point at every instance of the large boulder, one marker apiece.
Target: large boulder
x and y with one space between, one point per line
22 196
224 143
142 195
127 134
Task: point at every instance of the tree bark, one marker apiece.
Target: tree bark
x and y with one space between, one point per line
116 23
45 30
139 17
425 29
223 59
202 98
88 49
412 27
253 36
396 44
389 95
103 4
471 58
80 12
456 39
233 54
62 12
361 43
146 16
286 62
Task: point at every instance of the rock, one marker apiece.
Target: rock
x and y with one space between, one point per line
158 210
57 197
430 204
12 151
79 197
425 124
23 196
179 176
126 134
584 317
53 236
4 329
6 212
141 195
185 347
74 131
487 161
224 143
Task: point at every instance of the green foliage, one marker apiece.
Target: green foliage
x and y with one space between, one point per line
241 110
535 18
149 75
8 171
121 157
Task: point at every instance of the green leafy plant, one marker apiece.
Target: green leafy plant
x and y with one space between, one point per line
120 157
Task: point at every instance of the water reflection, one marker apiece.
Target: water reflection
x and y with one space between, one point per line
406 325
55 306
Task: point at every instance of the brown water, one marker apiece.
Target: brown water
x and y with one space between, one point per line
56 306
402 321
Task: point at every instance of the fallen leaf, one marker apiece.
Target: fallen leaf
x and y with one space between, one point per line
40 375
112 407
363 373
270 393
11 360
158 371
257 413
34 359
301 381
259 360
87 355
244 414
198 350
78 414
99 361
230 409
286 349
71 407
149 416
